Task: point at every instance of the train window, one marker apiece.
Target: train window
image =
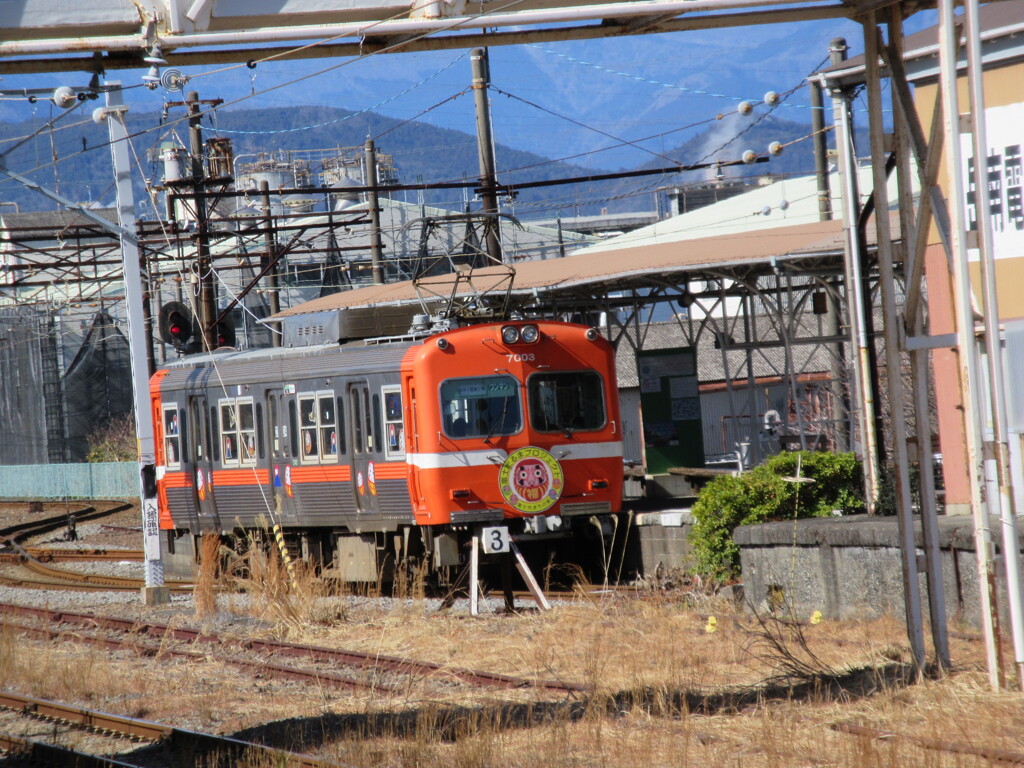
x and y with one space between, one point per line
259 430
213 444
328 429
341 426
367 421
308 439
183 428
246 445
357 423
377 429
293 429
172 436
566 402
229 431
196 411
394 426
481 406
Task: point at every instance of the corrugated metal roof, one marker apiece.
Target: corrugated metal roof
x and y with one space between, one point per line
617 269
784 203
1001 24
768 360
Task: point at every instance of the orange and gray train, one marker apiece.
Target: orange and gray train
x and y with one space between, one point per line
361 452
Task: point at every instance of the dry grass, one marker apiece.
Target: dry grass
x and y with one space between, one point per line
288 596
667 692
205 596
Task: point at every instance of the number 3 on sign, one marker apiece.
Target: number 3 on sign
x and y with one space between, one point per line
495 540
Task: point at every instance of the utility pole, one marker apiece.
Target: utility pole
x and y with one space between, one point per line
485 150
373 202
270 245
154 592
207 303
820 152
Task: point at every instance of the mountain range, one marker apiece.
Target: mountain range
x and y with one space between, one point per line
422 153
563 109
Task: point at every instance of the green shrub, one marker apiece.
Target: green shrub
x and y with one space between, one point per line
763 495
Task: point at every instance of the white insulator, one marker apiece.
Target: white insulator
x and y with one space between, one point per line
766 210
748 156
64 97
745 108
784 205
771 99
775 148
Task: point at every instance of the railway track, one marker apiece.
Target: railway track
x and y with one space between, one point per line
85 738
51 554
20 531
58 578
43 576
362 670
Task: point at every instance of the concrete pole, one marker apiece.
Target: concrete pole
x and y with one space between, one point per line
270 246
373 201
852 274
207 304
154 592
967 349
485 150
993 346
831 321
820 152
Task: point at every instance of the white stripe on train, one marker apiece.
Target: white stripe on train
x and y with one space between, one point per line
495 456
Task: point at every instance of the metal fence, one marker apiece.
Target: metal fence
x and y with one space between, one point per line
115 479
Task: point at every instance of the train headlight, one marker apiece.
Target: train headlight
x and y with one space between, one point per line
510 334
529 333
592 334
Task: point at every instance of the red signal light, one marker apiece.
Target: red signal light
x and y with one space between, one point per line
176 324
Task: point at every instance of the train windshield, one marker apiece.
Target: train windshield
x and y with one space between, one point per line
566 402
481 406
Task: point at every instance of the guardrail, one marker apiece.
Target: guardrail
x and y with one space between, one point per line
106 480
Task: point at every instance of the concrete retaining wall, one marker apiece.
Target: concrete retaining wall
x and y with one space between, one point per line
849 567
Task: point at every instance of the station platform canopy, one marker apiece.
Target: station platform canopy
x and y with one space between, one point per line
590 281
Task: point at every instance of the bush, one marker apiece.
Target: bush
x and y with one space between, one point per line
763 495
115 441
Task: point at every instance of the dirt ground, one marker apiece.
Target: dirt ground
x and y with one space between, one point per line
679 678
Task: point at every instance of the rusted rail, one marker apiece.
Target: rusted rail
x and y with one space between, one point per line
986 753
50 554
168 737
255 667
35 527
366 661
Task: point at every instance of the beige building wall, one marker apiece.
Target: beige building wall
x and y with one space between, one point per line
1003 86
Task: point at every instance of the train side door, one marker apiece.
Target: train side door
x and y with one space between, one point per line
279 449
364 447
203 444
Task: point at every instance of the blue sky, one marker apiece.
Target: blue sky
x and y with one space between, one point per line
629 88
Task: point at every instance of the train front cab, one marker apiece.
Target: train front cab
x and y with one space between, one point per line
515 426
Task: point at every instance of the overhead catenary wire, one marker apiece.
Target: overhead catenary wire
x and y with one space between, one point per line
363 111
348 62
650 81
